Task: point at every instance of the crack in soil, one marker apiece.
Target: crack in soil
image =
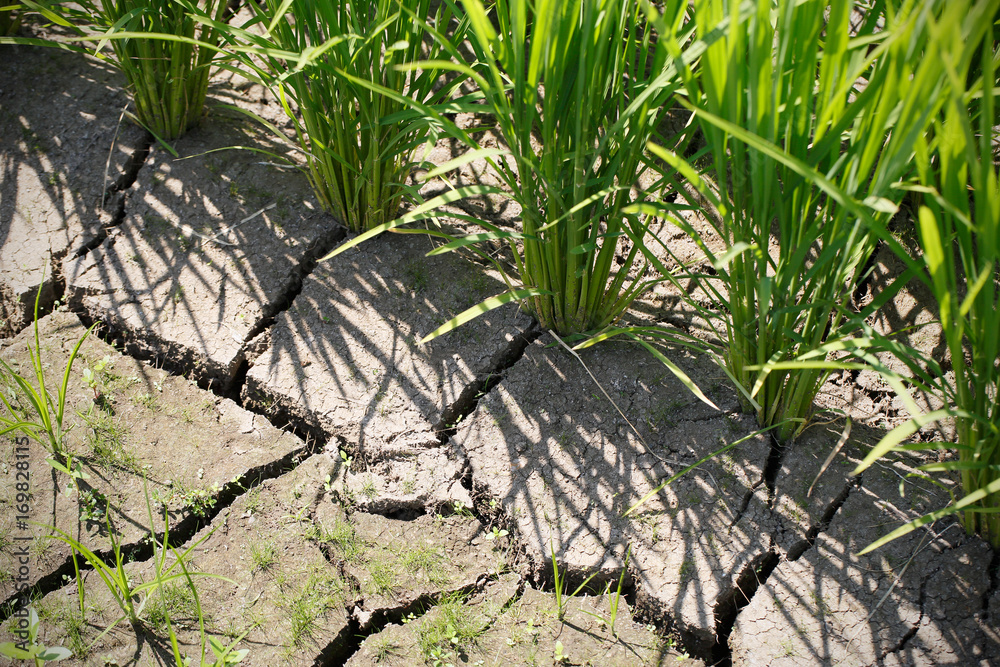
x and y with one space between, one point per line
994 572
361 626
468 401
188 362
116 339
358 629
321 247
912 632
730 603
132 167
796 551
769 476
773 467
114 196
180 533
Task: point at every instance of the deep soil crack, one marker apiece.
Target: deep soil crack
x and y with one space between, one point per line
994 572
114 197
180 533
768 477
468 401
796 551
322 246
729 604
116 339
773 467
339 652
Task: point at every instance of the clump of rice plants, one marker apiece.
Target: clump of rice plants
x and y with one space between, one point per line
168 79
163 47
810 129
575 105
958 224
339 71
577 89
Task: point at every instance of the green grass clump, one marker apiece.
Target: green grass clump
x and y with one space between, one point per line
340 71
452 628
959 229
810 129
263 554
165 49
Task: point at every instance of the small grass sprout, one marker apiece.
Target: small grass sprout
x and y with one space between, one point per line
452 629
263 554
615 600
31 409
559 585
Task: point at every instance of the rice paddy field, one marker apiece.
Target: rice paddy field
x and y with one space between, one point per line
440 333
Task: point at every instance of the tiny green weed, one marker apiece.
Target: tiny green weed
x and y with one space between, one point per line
451 629
93 505
31 649
263 554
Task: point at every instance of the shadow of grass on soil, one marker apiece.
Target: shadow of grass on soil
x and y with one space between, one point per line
567 466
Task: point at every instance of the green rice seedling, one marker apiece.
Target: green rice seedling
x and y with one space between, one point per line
959 230
163 47
31 409
577 89
222 654
615 600
810 130
329 63
559 584
130 596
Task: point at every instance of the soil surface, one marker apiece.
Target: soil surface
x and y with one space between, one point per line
341 494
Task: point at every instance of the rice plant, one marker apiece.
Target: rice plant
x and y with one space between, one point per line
577 89
959 229
810 129
163 47
10 21
338 70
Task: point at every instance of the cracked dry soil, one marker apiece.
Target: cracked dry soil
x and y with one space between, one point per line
364 500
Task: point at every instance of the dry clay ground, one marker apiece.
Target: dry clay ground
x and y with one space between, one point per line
368 500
